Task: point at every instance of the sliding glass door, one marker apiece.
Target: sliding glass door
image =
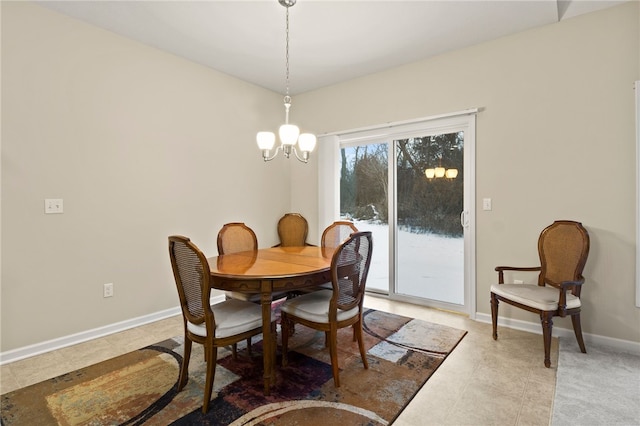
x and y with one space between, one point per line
412 186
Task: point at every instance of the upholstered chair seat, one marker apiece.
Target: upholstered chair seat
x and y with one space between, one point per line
534 296
233 317
315 307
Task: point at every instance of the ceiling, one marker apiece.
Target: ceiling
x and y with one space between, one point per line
330 41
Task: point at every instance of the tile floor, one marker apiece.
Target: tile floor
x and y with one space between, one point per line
483 382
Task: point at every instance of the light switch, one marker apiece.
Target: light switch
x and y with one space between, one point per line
486 204
53 205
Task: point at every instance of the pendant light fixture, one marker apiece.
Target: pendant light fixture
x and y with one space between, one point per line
289 133
440 172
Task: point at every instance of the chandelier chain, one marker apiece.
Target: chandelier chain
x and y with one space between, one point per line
287 53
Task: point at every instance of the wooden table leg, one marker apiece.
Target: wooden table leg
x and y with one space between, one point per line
267 339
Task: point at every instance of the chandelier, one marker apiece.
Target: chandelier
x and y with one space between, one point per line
289 133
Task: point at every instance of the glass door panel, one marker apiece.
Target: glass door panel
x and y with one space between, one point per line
364 200
429 203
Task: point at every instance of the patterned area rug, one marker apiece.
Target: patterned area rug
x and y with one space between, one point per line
140 387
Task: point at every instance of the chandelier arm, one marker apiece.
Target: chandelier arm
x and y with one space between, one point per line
265 154
305 155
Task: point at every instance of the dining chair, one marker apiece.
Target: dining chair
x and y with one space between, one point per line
340 307
222 324
336 233
293 229
237 237
332 236
563 248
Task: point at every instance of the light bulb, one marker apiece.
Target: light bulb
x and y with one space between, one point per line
451 173
265 140
289 134
307 142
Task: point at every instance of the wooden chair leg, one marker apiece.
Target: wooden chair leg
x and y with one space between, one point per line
547 326
577 329
494 315
333 350
184 369
211 373
249 346
234 351
357 330
285 324
292 325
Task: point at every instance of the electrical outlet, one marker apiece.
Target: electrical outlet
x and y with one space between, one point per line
53 205
107 290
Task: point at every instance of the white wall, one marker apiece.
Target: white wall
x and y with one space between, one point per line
140 144
555 140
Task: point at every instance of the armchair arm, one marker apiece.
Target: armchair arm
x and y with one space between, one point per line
564 286
501 269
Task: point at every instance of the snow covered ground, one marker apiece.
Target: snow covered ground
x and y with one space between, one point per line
429 266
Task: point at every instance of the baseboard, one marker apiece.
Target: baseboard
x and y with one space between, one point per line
535 327
84 336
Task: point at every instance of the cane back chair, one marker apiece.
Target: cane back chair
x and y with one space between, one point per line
563 248
213 326
293 229
330 310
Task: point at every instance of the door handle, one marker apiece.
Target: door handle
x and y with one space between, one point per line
464 219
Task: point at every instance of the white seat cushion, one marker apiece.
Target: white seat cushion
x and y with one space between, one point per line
535 296
315 307
232 317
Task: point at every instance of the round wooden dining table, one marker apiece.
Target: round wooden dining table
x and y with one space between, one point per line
265 272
